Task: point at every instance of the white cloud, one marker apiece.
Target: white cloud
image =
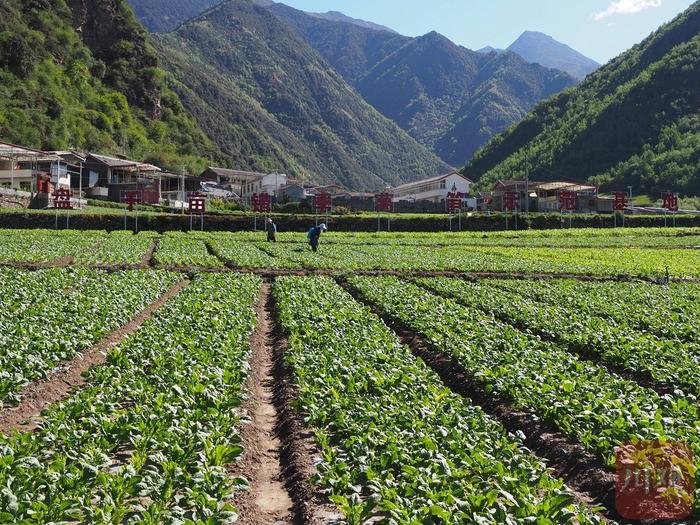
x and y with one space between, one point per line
627 7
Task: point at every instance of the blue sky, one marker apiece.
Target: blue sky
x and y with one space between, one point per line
600 29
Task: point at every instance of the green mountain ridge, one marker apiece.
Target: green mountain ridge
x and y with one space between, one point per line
79 74
272 103
634 122
437 91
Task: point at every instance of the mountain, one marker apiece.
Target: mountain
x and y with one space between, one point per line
161 16
270 102
633 122
337 16
447 97
538 48
79 74
351 49
488 49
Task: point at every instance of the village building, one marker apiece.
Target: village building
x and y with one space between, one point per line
29 170
536 196
109 178
246 183
434 189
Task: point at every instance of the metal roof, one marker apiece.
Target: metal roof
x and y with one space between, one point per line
428 181
116 162
570 186
17 153
236 174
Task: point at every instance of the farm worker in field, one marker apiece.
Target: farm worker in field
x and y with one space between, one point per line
315 234
271 231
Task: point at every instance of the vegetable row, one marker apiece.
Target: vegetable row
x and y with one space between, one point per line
395 442
588 404
148 440
51 314
671 363
674 305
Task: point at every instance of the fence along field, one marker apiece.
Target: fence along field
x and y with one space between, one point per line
155 432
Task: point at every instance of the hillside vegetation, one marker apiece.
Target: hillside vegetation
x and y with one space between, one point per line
271 103
165 15
635 121
78 74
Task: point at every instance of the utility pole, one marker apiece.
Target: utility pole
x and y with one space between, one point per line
80 187
527 180
182 194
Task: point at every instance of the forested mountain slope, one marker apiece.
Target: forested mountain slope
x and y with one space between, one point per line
81 74
272 103
635 121
165 15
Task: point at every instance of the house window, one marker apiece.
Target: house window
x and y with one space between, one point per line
443 184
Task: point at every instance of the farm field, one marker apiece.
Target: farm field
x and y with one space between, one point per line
651 253
206 378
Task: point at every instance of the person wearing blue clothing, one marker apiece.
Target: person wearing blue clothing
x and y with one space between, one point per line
271 231
314 235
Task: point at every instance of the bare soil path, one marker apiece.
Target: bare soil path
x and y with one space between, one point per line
267 500
68 376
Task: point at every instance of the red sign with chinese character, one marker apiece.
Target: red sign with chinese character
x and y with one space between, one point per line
620 200
455 200
323 202
670 201
384 202
61 199
567 200
132 197
655 481
511 199
261 202
197 203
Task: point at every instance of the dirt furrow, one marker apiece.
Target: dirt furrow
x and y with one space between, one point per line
277 272
267 500
586 476
147 260
68 376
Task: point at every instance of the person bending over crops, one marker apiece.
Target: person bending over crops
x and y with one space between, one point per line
271 231
314 235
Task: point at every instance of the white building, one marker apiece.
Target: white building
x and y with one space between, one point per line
434 189
20 168
247 183
269 183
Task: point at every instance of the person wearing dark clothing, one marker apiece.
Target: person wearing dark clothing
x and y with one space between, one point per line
271 231
314 235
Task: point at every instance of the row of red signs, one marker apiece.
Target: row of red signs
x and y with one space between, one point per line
323 202
567 200
196 203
